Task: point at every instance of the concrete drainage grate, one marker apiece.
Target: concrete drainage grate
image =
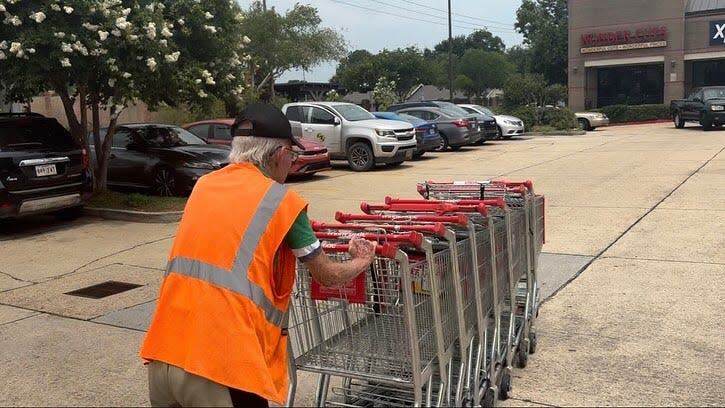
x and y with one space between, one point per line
102 290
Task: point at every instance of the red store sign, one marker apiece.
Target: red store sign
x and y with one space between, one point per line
639 35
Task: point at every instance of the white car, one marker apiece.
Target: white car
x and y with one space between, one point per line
508 126
591 120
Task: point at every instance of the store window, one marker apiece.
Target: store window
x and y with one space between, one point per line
633 85
708 73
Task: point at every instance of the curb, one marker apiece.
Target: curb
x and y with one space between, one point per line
641 122
557 133
134 216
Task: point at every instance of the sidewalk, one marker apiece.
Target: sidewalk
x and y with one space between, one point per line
635 218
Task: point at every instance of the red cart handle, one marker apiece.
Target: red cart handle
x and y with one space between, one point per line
386 250
512 183
439 208
460 219
435 228
491 202
411 237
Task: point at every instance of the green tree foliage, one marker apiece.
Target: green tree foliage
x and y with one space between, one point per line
479 39
544 25
384 93
531 90
283 42
361 70
521 59
108 53
483 70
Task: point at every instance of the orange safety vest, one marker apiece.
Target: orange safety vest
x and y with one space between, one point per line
222 310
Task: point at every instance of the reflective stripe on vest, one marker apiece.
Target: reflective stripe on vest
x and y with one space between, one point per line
236 279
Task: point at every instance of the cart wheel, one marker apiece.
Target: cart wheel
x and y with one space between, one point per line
532 342
489 398
523 354
504 390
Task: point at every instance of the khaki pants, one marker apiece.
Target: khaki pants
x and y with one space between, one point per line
170 386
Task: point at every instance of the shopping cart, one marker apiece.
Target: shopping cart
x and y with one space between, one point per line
493 264
391 336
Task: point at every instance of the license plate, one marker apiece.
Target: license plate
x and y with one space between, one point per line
45 170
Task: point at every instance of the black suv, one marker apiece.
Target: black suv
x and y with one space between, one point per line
42 168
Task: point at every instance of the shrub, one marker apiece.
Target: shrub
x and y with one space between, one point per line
628 113
556 118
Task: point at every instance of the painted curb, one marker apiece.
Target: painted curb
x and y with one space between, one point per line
134 216
557 133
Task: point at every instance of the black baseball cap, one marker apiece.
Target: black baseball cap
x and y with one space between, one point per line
267 121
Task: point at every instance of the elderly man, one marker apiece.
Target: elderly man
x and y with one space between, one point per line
219 335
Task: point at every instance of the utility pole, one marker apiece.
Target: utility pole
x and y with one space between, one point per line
264 5
450 53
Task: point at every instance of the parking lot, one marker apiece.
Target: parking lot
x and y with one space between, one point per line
633 270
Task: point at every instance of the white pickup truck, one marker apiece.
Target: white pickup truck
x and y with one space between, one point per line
352 133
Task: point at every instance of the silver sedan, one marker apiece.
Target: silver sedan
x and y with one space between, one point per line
508 126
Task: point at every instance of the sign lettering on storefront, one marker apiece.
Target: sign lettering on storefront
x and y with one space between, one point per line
644 37
717 32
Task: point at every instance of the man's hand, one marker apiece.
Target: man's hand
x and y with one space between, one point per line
362 249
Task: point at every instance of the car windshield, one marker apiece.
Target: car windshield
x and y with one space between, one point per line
170 136
353 112
33 134
712 93
452 108
485 110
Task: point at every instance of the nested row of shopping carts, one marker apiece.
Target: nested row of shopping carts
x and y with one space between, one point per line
444 311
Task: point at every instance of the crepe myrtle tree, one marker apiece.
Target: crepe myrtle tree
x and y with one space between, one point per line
106 54
384 93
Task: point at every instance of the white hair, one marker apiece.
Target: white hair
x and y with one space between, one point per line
255 150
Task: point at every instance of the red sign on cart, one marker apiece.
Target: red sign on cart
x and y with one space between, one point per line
352 291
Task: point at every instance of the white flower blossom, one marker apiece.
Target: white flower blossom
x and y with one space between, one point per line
133 37
68 10
11 19
126 75
180 21
31 50
38 17
211 28
208 15
3 56
78 46
90 27
151 31
59 34
65 47
3 45
116 32
173 57
21 54
230 77
202 94
65 62
163 43
246 40
55 7
150 7
103 35
2 10
15 47
166 32
111 61
151 63
197 81
111 82
126 12
122 24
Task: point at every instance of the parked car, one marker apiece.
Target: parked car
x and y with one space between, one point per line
478 129
352 133
164 159
312 159
455 131
705 105
506 126
591 120
427 137
42 168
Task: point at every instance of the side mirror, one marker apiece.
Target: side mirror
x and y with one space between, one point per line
336 121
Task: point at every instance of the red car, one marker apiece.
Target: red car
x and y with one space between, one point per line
312 159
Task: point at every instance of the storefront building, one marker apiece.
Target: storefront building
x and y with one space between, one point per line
645 51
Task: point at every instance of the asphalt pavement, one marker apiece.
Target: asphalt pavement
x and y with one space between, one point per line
632 274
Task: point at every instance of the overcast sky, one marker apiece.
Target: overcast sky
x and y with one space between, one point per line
377 24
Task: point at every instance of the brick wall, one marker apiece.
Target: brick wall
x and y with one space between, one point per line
50 105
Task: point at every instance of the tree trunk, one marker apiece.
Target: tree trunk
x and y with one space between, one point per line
77 129
99 176
105 154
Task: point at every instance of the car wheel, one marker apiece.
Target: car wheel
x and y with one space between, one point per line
499 133
164 182
443 144
705 122
679 122
583 124
360 157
